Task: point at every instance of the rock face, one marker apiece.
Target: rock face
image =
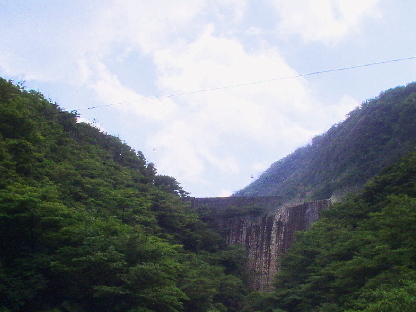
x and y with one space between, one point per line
267 236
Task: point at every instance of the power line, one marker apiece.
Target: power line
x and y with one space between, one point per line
251 83
232 86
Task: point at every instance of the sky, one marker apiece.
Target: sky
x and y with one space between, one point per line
212 92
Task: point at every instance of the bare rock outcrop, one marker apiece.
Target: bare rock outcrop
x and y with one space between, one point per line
266 237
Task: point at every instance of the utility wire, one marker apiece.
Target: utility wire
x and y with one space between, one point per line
241 84
251 83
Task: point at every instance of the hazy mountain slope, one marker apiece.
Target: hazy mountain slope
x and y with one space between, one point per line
373 136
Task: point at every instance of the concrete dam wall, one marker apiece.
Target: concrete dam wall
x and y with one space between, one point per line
267 202
266 236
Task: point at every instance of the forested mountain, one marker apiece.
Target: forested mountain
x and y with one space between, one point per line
86 224
373 136
360 256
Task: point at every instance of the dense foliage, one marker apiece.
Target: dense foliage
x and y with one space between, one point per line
86 224
360 256
374 136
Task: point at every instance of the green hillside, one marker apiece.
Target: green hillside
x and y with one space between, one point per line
360 256
86 224
373 136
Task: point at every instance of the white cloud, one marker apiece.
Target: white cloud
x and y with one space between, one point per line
225 193
344 106
92 122
154 24
110 91
57 37
323 20
258 168
222 131
182 150
211 127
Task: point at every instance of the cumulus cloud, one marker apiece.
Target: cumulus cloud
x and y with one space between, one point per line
110 91
213 114
233 105
153 24
323 20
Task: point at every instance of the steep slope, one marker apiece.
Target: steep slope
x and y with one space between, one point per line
86 224
374 135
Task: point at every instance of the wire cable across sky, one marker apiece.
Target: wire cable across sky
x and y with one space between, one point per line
252 83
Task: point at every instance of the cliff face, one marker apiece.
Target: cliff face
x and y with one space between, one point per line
266 237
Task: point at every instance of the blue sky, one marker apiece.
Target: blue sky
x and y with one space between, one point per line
145 60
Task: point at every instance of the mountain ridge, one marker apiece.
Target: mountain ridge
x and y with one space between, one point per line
373 136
